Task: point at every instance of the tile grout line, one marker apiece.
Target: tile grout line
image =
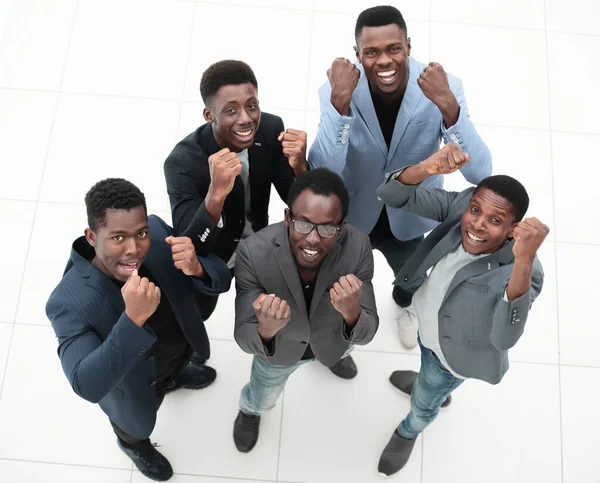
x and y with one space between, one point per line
280 435
307 89
560 410
35 209
185 74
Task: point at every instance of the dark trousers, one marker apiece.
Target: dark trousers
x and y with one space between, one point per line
165 385
396 252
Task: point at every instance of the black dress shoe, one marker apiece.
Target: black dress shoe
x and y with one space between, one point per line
404 381
195 376
395 455
345 368
245 431
148 460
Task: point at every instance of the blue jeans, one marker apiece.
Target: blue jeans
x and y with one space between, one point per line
431 388
266 385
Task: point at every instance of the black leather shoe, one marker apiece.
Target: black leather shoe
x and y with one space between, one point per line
245 431
195 376
345 368
148 460
404 381
395 455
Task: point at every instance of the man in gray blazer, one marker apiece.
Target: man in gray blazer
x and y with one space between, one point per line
474 305
304 292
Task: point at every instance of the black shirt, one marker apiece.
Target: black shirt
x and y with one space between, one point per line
387 112
171 349
308 290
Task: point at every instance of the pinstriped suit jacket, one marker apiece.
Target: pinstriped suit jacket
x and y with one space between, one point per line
105 356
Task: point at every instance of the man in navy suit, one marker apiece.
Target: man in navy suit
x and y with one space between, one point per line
127 317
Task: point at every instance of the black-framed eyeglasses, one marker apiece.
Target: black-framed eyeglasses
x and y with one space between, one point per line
305 227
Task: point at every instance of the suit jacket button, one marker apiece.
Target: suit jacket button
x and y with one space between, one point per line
153 384
304 342
406 279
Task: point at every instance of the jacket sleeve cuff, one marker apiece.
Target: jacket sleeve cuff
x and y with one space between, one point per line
131 339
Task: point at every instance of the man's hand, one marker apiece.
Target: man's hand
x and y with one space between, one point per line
345 297
141 298
446 161
224 166
184 256
293 143
273 315
343 76
529 234
433 81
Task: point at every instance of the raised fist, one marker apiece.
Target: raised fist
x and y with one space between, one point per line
445 161
141 298
224 166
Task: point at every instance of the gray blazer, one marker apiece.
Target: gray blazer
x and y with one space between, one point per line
476 325
265 264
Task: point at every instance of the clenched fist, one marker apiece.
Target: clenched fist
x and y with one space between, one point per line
433 81
294 147
529 235
272 313
224 166
447 160
184 256
345 297
141 298
343 76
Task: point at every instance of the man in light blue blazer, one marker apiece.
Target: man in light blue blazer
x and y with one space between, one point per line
383 113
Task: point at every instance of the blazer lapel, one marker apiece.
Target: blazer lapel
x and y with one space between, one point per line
444 246
95 278
365 109
482 265
409 103
324 275
288 267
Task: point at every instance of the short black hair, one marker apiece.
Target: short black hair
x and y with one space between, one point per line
225 73
510 189
378 17
323 182
111 194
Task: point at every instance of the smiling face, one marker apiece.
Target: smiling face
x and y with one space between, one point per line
310 250
235 115
487 223
122 244
383 52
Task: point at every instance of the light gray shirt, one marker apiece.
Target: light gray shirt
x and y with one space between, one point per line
245 175
428 299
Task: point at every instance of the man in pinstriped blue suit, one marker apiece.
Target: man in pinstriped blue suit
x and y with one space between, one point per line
127 316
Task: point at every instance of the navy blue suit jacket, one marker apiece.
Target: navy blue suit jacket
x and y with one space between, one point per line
105 356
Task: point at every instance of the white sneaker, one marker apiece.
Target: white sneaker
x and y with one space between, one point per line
407 327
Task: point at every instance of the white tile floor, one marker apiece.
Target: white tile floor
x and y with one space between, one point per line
90 89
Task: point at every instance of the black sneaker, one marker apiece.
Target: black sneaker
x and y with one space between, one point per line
148 460
245 431
404 380
345 368
193 376
395 455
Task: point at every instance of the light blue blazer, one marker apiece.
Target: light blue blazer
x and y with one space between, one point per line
353 146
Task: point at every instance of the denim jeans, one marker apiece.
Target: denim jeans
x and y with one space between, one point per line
431 388
266 384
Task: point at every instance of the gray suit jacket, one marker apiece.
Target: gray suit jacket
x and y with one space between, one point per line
265 264
476 325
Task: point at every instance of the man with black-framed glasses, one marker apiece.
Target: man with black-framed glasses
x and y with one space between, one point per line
303 292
